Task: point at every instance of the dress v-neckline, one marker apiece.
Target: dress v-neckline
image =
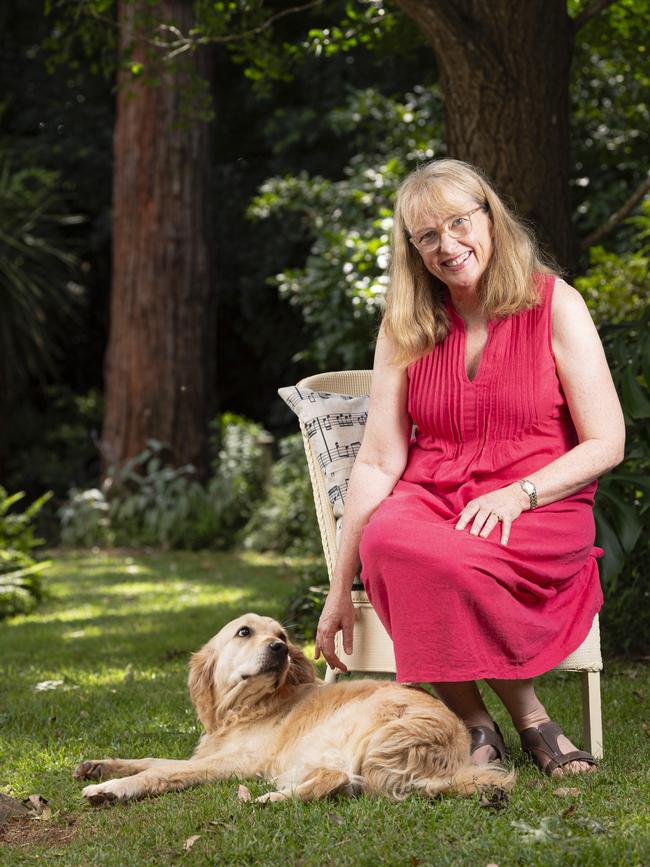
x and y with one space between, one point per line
460 322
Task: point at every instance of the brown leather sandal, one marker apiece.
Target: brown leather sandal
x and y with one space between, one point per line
484 736
541 744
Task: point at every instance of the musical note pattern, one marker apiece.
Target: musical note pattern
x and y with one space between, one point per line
335 424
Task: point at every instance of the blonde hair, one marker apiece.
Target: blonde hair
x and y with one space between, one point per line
416 316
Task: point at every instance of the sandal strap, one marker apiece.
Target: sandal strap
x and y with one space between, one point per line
483 736
543 739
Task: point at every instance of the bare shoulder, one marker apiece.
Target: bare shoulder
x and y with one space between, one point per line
570 314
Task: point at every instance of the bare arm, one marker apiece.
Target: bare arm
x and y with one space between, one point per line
378 466
595 411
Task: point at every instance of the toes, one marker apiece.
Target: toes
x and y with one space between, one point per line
88 771
97 795
271 797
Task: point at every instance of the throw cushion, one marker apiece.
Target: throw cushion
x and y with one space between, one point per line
335 424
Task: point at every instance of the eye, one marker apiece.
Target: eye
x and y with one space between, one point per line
283 637
244 632
458 221
428 237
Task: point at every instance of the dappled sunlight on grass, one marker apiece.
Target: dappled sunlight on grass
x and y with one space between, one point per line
101 669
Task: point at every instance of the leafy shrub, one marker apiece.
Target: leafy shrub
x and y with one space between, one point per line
149 502
285 519
623 501
307 601
20 581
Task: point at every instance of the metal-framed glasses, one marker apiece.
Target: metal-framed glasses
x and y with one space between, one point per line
428 240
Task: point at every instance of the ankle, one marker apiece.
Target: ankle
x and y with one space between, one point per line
528 720
478 718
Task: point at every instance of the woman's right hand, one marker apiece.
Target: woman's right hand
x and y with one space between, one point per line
337 614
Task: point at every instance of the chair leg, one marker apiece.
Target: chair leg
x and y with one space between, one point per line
331 675
592 721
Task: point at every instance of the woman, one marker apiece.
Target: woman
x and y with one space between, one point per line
476 536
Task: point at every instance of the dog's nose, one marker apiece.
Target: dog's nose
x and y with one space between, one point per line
279 648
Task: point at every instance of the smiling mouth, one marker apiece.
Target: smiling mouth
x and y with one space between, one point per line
459 260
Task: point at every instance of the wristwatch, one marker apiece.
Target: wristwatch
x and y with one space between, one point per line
529 488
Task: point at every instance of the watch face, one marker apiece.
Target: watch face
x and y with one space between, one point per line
529 487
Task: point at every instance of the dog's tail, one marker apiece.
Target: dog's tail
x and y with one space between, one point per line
426 754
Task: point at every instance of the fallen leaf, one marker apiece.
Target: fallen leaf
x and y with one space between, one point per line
187 845
645 729
11 808
243 794
631 672
565 791
83 714
40 806
223 826
491 864
334 817
639 693
570 810
493 798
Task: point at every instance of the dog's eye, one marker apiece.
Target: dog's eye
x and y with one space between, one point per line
244 632
283 637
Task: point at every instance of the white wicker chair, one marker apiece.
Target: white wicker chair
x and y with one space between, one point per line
373 649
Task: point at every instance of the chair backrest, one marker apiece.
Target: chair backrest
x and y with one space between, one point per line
355 383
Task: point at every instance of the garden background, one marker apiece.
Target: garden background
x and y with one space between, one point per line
195 209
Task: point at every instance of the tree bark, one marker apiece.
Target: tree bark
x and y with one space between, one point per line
159 368
505 68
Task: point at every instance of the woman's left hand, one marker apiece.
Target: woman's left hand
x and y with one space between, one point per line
503 505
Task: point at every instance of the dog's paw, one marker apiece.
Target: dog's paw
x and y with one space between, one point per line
91 770
104 793
271 797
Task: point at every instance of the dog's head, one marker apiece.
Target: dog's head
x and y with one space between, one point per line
249 660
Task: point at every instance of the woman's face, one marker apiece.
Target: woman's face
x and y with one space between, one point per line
458 262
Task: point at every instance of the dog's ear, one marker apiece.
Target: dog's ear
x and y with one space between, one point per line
300 668
201 686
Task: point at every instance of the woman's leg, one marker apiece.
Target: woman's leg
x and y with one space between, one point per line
464 699
526 710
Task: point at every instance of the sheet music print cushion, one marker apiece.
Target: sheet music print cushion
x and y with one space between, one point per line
335 424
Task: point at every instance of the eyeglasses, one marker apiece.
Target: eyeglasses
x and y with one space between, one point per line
428 240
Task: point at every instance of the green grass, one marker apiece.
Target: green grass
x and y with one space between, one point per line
118 629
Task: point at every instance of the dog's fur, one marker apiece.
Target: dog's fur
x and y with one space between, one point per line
265 714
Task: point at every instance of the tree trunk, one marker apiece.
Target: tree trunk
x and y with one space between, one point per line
159 368
504 68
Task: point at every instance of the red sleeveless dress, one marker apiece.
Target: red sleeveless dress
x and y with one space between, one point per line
459 607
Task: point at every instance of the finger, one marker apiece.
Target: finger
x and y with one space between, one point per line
326 646
348 632
505 530
489 525
466 515
479 521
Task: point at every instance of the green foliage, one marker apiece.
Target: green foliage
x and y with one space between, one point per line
623 505
36 292
610 114
20 581
150 502
285 519
307 601
340 287
615 286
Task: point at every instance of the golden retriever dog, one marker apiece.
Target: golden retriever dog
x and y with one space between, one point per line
266 715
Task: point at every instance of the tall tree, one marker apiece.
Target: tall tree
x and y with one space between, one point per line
159 368
505 69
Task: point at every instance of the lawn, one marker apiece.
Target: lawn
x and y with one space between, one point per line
100 670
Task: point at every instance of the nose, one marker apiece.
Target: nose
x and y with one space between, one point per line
279 648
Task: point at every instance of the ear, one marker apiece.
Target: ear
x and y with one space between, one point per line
201 685
300 668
